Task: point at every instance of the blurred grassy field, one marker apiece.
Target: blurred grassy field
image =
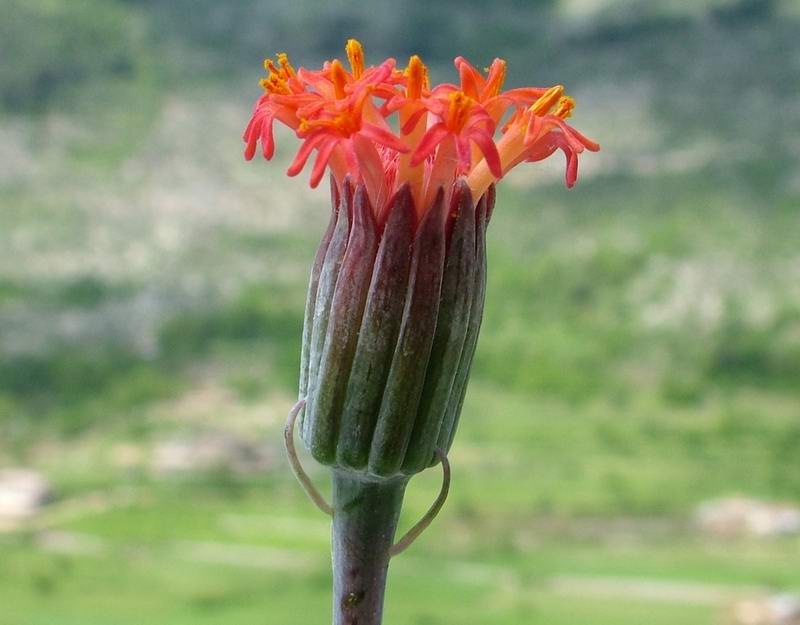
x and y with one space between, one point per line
640 351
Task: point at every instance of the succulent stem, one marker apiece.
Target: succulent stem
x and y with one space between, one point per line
365 515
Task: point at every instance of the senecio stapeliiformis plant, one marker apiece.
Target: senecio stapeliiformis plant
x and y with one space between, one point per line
396 294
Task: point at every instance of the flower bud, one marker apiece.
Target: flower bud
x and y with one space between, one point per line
392 321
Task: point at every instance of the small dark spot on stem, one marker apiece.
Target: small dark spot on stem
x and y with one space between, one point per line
352 599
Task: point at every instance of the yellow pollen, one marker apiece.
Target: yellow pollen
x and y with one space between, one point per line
278 76
283 61
417 75
345 123
546 102
458 112
565 107
355 54
339 78
274 72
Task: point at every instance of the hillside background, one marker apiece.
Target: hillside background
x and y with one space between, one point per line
640 353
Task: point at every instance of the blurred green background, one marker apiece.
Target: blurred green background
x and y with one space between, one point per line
640 354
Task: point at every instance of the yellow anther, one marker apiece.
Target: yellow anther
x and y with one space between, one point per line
339 78
286 66
547 101
355 54
345 123
417 76
458 111
278 76
273 84
565 107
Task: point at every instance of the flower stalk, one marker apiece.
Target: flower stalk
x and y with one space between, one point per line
365 515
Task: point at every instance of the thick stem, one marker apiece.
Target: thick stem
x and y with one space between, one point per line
365 515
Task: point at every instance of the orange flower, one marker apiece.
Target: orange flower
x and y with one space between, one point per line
344 118
487 90
446 132
465 120
534 134
282 80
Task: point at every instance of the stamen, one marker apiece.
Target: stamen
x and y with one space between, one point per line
283 61
546 102
458 111
278 76
355 54
565 107
339 78
417 76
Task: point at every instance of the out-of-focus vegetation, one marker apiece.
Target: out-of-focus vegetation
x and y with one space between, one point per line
640 350
52 50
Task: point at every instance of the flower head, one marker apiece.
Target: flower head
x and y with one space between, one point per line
344 116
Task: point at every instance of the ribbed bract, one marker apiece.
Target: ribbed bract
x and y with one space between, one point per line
392 321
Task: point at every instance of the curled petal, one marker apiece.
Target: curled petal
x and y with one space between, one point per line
572 168
317 81
479 116
311 109
573 137
494 80
413 120
259 127
471 79
267 140
488 148
257 112
394 104
571 173
311 142
432 137
321 163
588 143
524 96
550 143
251 138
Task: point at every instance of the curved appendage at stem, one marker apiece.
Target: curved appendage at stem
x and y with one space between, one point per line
297 468
406 541
316 497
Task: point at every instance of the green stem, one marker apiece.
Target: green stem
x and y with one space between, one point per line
365 515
